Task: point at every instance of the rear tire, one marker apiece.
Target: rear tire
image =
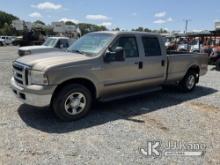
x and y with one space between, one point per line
1 44
218 64
72 102
188 83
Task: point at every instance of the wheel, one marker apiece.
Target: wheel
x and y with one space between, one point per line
1 44
182 50
189 82
196 51
72 102
218 64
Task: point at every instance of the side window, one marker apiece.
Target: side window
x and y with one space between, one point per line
129 44
64 43
151 46
58 44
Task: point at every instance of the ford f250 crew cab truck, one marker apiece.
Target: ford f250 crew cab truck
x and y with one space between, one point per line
102 66
51 44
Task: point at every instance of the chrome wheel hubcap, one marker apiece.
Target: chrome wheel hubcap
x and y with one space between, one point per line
191 82
75 103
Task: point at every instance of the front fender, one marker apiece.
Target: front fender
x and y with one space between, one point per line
63 75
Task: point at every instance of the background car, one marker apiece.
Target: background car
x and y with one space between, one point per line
51 44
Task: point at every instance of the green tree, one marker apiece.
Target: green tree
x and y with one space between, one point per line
160 31
39 22
69 23
116 29
49 31
139 29
5 23
147 30
86 28
7 30
6 18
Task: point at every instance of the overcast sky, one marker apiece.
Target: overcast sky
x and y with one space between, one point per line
126 14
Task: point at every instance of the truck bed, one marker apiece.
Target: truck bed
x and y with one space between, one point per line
179 62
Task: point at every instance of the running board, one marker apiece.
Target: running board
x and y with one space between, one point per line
130 94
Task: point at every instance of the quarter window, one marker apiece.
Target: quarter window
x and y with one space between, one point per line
151 46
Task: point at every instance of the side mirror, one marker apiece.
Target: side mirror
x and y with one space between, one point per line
115 55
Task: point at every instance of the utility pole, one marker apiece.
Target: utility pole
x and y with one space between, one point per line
186 25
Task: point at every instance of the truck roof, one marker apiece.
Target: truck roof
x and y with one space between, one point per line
128 33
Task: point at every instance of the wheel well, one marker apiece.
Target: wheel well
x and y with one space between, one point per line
85 82
196 70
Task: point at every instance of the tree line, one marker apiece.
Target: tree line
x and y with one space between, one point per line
6 28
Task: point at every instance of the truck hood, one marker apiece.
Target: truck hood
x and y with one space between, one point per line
45 61
26 48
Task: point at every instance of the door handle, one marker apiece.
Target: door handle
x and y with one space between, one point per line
163 63
140 64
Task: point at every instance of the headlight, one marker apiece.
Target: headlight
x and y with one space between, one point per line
38 78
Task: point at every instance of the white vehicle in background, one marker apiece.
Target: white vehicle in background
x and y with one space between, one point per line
51 44
7 39
183 47
195 47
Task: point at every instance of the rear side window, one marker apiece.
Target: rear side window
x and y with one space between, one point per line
151 46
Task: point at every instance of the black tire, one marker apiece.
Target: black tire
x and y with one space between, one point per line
1 44
218 64
187 86
196 51
61 98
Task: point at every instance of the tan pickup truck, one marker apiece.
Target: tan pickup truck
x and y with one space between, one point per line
102 66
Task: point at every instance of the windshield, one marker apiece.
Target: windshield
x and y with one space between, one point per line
91 44
51 42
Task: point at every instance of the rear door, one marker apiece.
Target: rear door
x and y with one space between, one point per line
154 60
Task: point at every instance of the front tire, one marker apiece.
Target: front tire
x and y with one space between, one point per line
72 102
218 64
188 83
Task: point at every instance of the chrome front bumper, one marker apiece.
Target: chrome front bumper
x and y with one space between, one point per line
37 96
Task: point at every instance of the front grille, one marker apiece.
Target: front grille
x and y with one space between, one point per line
18 67
20 73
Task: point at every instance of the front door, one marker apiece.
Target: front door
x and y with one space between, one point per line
121 76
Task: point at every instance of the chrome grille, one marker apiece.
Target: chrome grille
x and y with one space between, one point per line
20 73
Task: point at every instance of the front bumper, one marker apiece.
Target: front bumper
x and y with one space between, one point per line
35 95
